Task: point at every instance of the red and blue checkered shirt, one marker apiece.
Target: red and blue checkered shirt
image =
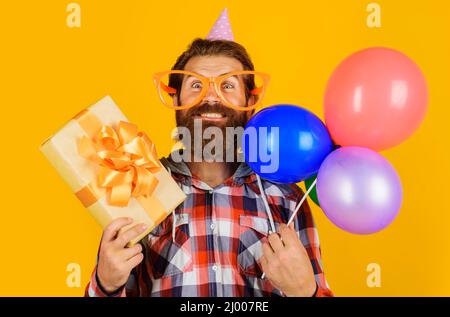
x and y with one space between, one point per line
217 241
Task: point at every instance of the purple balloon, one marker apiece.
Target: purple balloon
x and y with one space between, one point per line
359 190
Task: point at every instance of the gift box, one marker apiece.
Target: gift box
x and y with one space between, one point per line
113 168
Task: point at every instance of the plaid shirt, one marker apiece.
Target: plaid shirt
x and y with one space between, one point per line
218 240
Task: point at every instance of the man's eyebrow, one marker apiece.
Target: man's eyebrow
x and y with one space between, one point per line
188 75
226 73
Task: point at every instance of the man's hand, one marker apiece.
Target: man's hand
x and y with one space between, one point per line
115 261
286 263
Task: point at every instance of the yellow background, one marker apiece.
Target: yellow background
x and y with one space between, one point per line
50 71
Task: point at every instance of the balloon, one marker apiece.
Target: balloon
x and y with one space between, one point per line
313 192
285 143
359 190
375 98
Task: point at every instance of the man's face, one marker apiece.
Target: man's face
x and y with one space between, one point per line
211 110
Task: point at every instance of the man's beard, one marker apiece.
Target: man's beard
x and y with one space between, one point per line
222 149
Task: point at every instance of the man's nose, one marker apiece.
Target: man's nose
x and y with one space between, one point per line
211 95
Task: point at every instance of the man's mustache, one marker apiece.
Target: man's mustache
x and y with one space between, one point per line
209 108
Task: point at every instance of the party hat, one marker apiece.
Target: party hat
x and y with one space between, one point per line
221 29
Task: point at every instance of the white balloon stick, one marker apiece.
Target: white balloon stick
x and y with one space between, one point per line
296 210
301 201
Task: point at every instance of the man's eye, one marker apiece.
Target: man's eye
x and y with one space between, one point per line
227 86
196 85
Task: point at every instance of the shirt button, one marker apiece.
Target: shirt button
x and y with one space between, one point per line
210 191
214 268
213 226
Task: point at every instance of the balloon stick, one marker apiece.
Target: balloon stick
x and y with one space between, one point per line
296 210
301 201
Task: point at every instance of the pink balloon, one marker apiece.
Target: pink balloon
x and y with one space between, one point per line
375 98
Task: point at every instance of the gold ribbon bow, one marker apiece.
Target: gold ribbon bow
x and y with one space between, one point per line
126 162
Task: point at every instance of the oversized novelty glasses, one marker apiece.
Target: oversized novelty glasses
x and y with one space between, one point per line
240 90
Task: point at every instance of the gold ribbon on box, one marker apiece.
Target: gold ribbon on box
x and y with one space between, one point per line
126 161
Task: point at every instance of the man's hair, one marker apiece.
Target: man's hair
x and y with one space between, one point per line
204 47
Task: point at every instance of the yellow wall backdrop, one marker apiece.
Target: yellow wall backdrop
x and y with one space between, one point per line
50 71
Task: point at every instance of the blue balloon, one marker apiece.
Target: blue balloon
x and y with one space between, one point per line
286 143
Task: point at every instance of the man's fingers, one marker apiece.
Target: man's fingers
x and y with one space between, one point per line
268 252
128 253
111 230
264 263
275 242
126 236
135 260
288 235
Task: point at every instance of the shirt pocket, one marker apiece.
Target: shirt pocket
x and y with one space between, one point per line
170 256
253 233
